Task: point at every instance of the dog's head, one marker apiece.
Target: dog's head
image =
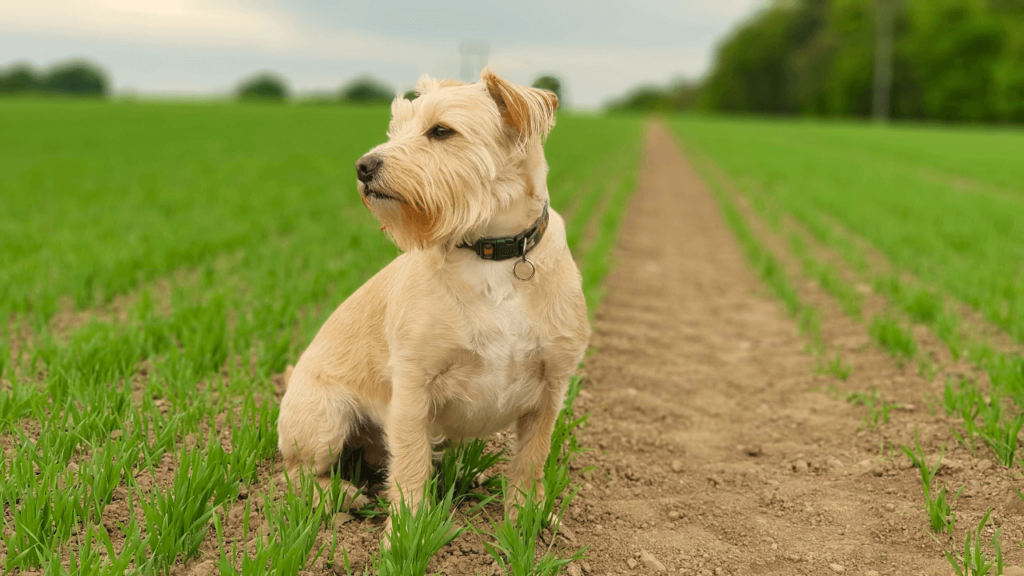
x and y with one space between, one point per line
456 156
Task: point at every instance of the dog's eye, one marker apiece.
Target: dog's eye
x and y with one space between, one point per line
440 132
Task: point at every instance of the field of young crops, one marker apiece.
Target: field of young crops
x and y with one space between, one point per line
161 263
916 234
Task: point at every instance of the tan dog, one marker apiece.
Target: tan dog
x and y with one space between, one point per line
444 343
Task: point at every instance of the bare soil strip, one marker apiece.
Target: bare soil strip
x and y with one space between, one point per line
713 452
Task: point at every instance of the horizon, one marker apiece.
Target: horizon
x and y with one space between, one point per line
177 49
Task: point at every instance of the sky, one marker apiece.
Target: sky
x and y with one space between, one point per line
598 48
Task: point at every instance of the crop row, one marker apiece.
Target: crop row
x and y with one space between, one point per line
809 198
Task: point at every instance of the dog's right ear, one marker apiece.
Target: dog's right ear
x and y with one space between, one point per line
531 111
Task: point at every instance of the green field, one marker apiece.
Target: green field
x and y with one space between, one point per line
161 263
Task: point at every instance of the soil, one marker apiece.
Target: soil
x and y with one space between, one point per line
715 447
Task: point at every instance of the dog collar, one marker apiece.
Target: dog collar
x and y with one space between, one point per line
511 246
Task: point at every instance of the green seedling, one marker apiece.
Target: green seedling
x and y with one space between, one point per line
973 561
893 338
835 367
462 469
417 535
940 514
878 408
515 546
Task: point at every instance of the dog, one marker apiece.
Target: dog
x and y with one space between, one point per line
480 322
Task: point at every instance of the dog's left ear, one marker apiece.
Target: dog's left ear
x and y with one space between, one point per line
531 111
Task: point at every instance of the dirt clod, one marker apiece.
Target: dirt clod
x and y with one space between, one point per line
651 562
342 517
204 569
837 568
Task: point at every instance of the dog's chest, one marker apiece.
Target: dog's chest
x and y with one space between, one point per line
500 333
502 380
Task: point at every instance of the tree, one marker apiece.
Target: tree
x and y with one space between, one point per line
952 60
410 95
265 86
19 79
682 95
549 83
76 77
367 90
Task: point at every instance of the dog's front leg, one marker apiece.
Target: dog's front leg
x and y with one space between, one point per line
533 443
408 439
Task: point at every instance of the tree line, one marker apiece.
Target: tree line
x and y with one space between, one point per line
72 77
268 86
953 60
85 78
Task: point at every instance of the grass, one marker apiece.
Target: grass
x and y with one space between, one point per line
417 536
162 263
997 429
892 337
972 560
461 470
940 514
835 366
878 408
964 242
515 540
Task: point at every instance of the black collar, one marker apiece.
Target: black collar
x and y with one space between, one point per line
511 246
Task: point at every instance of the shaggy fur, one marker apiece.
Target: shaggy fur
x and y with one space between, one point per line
441 344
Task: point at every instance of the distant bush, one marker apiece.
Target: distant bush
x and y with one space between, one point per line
679 96
262 86
19 78
73 77
550 83
367 90
76 78
410 95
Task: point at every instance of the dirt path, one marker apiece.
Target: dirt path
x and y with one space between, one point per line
710 451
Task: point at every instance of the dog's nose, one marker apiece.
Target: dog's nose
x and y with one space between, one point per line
366 167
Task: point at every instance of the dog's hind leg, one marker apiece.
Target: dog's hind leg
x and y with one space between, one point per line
314 424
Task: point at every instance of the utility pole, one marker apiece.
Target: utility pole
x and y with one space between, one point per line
474 56
883 60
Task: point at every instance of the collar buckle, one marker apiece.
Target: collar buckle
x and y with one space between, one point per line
511 247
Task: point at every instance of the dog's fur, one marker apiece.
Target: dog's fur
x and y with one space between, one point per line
442 344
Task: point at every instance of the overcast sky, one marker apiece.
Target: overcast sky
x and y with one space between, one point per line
599 48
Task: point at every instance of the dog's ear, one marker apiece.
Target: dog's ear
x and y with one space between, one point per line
531 111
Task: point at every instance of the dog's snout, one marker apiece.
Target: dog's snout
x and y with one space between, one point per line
366 167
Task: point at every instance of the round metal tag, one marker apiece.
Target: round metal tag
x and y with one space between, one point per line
518 275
